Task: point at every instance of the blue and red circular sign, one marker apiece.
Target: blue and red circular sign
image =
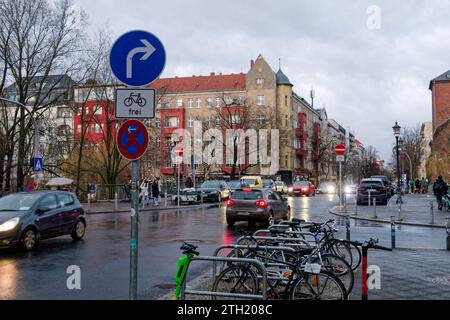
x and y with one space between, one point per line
132 139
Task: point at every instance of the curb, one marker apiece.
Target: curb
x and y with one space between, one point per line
207 206
335 211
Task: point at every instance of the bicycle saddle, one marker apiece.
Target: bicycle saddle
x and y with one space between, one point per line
189 248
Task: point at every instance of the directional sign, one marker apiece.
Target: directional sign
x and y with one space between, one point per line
340 158
132 139
135 103
340 149
38 164
137 58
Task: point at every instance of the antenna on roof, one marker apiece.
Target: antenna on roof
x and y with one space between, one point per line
312 94
279 63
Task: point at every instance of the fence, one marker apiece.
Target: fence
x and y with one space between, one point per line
107 192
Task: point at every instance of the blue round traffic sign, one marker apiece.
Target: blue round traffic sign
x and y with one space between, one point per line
137 58
132 139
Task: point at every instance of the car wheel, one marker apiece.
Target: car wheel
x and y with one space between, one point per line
78 231
28 240
230 223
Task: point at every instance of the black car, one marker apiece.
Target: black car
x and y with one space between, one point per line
26 218
214 191
370 189
387 183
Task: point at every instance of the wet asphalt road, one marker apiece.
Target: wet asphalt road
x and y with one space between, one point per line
103 256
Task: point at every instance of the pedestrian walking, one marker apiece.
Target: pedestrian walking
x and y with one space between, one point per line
143 195
30 186
417 185
155 192
422 185
440 189
411 185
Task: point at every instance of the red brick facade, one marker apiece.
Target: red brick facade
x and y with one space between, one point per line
441 102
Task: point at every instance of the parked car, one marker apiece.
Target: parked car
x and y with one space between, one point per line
188 195
387 183
377 190
302 188
280 187
27 218
327 188
256 205
252 181
268 183
234 185
214 191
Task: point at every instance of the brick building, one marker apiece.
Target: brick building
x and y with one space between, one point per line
440 88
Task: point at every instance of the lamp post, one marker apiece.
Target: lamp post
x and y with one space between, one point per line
396 129
36 131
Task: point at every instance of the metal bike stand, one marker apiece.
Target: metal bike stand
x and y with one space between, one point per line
393 232
259 265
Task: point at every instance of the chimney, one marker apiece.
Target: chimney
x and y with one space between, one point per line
213 73
252 63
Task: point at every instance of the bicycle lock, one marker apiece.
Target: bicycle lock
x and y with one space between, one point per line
347 226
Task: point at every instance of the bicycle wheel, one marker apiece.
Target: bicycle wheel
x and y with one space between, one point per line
128 102
339 267
321 286
235 280
142 102
346 250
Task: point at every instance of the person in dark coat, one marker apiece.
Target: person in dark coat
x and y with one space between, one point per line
440 189
155 192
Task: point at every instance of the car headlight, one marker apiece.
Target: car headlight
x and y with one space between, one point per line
331 189
9 225
291 189
348 189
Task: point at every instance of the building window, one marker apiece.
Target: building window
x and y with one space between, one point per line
199 103
171 122
286 161
229 100
209 121
190 103
98 111
63 112
158 122
260 82
198 122
179 103
261 119
158 142
79 128
218 102
209 102
218 121
286 98
190 122
241 100
286 121
234 119
260 100
86 110
168 104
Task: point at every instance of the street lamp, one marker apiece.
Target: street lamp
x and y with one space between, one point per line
396 129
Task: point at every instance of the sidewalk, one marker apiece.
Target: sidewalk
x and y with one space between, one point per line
416 210
109 207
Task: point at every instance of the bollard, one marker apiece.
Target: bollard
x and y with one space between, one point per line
370 198
432 212
115 201
347 226
356 208
165 199
393 232
89 201
447 229
375 208
399 218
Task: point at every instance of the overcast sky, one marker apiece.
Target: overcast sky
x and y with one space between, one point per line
367 77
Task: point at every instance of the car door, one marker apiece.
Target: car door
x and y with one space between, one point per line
49 219
274 203
68 212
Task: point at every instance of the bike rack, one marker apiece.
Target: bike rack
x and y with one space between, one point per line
259 265
279 239
237 247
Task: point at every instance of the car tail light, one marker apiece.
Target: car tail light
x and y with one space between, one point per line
247 189
230 203
262 203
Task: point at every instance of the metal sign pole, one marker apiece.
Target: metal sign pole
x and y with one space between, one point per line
340 183
178 184
134 230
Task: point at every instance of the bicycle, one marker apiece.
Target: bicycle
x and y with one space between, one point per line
135 98
189 251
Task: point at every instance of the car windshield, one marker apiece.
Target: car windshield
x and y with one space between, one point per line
267 182
326 185
371 184
247 195
234 184
18 201
279 183
211 184
249 181
301 184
